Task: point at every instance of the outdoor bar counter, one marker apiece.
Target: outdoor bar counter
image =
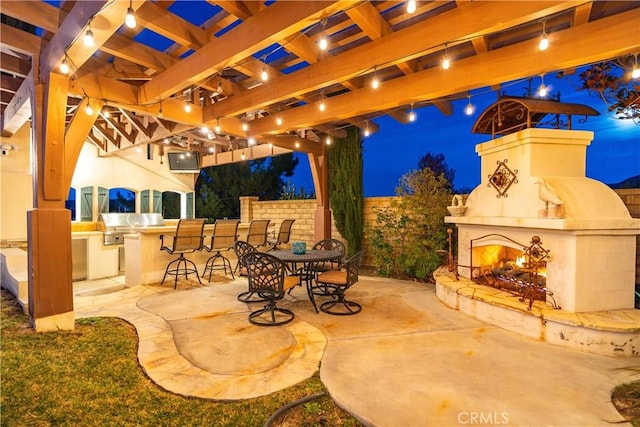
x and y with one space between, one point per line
145 263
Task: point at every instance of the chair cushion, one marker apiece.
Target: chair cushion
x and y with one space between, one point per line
290 282
333 277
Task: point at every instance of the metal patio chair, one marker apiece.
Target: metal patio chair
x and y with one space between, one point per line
257 234
335 283
284 234
188 239
268 279
225 233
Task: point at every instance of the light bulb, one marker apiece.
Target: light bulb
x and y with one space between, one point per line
328 140
635 73
245 126
204 129
105 112
88 38
88 109
64 67
544 42
279 121
322 106
446 63
218 128
264 75
212 150
251 141
411 6
469 109
323 44
542 90
130 20
375 83
187 107
412 116
166 140
297 144
270 146
366 132
242 156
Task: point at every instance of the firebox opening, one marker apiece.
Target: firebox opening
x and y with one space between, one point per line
505 264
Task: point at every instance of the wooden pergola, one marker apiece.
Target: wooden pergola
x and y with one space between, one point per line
216 65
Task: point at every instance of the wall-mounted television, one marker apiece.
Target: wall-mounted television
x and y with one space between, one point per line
184 162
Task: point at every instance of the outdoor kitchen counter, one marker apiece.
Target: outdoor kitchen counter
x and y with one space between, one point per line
91 259
145 263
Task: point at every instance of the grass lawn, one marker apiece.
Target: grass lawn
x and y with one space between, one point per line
91 377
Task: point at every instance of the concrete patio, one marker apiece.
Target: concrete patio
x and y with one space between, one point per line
405 360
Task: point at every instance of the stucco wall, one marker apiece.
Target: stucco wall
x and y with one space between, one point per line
631 198
16 194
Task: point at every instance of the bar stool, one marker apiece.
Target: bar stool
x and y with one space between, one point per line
225 233
257 234
188 239
284 234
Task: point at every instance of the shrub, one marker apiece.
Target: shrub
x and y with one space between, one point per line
405 239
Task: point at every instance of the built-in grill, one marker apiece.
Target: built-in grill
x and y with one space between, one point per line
116 225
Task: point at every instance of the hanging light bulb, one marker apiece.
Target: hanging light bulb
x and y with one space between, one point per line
270 146
218 128
544 39
412 115
635 73
88 37
88 110
264 75
375 83
204 130
297 144
322 106
64 66
251 141
411 6
445 59
542 90
323 44
105 112
279 120
469 108
366 130
212 149
245 126
130 20
242 156
328 140
187 107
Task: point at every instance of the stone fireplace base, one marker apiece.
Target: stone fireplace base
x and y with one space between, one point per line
607 332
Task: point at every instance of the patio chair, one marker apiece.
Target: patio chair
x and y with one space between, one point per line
284 234
225 233
267 279
335 283
257 234
188 239
241 248
329 245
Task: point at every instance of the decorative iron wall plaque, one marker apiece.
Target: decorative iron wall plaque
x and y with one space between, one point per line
502 178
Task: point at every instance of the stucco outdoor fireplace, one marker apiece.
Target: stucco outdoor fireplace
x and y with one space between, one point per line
583 224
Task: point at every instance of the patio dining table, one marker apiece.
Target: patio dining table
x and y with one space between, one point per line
308 258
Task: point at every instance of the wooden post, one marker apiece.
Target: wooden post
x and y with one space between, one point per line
320 174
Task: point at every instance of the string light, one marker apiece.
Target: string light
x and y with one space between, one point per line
374 82
469 108
130 20
88 110
242 156
278 120
366 130
411 6
218 128
64 66
322 106
542 90
323 44
204 130
297 144
245 126
88 37
328 140
544 39
105 112
187 107
251 141
635 72
212 149
412 115
445 59
270 146
264 75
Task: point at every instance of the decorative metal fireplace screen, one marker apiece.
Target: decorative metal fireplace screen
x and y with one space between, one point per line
512 267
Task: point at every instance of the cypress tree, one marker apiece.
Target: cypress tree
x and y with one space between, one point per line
345 188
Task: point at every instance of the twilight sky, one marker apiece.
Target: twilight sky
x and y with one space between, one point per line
613 155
